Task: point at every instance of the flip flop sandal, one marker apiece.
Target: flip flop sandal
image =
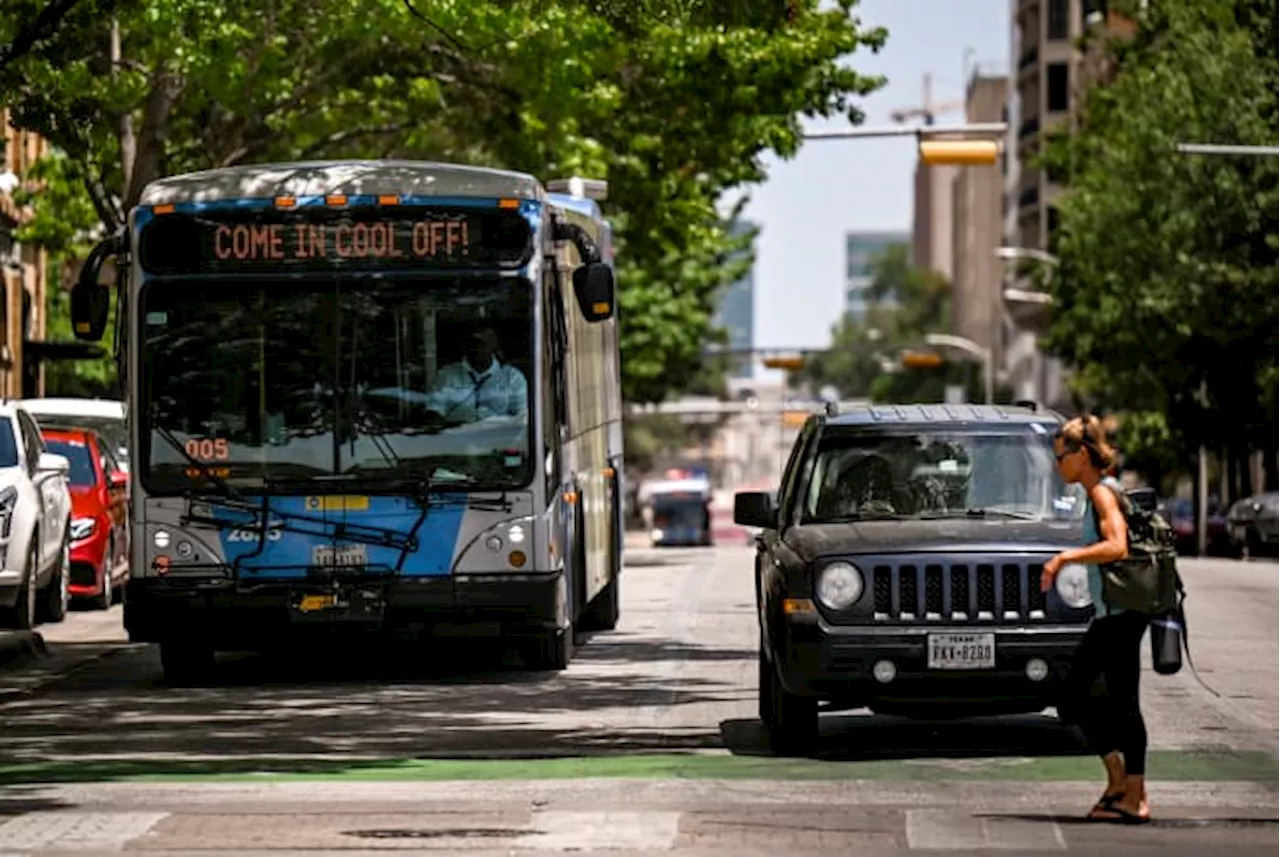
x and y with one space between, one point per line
1121 816
1104 804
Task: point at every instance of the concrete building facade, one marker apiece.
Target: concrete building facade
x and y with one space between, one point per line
23 270
978 230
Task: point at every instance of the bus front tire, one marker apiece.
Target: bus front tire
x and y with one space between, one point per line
602 614
185 663
550 651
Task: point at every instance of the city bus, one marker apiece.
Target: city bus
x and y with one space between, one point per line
365 396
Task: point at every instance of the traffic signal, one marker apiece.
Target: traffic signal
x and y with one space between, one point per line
981 153
921 360
792 362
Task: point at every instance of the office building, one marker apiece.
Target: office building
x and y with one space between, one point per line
1050 75
735 314
977 228
861 251
23 270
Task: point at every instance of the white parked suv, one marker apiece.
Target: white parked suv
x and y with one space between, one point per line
35 522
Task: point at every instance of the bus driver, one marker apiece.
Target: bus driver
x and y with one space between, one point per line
479 385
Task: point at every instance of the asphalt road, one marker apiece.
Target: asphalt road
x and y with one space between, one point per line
648 744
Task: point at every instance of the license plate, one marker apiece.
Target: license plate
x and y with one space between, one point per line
343 556
962 651
312 603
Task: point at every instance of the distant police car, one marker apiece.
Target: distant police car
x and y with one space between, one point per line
899 567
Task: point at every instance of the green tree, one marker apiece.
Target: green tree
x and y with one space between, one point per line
1167 281
673 113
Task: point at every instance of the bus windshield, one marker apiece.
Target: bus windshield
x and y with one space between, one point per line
274 383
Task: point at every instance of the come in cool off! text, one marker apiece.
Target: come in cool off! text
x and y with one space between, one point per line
426 239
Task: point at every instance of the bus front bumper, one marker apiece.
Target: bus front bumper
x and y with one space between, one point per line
231 616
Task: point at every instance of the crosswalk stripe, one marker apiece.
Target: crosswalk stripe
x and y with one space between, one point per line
958 831
72 831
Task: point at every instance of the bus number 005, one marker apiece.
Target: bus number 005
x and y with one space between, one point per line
208 450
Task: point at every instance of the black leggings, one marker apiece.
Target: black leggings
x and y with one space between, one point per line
1111 720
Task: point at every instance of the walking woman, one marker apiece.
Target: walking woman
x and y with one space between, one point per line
1113 721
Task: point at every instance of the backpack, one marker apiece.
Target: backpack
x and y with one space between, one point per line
1146 579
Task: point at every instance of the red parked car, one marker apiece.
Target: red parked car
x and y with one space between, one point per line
99 514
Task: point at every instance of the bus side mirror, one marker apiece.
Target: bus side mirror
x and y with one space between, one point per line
90 301
593 284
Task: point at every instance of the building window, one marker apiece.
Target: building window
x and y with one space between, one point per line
1091 8
1055 220
1059 87
1059 20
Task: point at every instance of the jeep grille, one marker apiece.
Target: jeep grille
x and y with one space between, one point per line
920 589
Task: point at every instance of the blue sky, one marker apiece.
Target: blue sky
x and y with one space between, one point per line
808 203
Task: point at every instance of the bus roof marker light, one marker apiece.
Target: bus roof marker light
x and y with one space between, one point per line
389 199
337 200
167 208
509 204
286 202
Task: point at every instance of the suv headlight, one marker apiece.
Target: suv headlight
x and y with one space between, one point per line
839 585
1072 584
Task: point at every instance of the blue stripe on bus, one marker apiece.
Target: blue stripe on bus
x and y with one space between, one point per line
286 554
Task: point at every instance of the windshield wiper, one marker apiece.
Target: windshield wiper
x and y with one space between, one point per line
858 516
980 513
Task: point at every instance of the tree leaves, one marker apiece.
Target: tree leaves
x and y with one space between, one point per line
674 102
1168 265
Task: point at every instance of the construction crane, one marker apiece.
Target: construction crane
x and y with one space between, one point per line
927 109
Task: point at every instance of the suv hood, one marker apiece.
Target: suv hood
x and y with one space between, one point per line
949 535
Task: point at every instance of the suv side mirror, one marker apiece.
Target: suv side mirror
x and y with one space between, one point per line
755 509
1144 498
51 463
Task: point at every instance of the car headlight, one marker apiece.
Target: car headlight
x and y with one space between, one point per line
82 528
1072 584
839 585
8 502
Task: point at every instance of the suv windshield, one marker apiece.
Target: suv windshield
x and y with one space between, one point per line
317 379
930 474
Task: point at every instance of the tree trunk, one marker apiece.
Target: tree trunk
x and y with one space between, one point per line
149 159
124 122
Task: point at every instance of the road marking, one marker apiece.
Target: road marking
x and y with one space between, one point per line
951 830
75 831
603 830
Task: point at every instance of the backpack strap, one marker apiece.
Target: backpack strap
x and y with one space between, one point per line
1186 638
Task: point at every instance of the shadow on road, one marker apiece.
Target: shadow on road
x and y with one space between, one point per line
861 738
357 703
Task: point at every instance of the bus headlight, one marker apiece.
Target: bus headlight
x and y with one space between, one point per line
502 547
839 585
1072 583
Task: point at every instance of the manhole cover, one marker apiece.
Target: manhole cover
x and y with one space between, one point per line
437 833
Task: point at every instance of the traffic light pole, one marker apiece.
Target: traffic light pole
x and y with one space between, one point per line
974 129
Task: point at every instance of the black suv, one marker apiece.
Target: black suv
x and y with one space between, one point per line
900 567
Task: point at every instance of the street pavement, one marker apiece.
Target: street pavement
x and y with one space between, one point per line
647 744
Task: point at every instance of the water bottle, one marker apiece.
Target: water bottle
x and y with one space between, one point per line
1166 643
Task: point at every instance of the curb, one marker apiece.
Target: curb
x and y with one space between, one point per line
18 644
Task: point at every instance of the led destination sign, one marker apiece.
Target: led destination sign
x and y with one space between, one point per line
310 239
